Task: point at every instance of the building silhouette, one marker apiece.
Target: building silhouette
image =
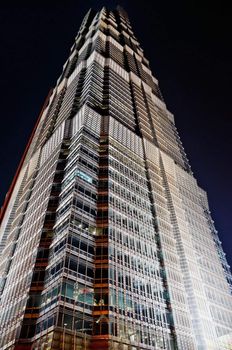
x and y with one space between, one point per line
106 238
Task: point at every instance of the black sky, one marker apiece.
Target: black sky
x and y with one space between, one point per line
189 46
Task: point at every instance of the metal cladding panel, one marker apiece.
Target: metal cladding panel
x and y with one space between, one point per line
52 143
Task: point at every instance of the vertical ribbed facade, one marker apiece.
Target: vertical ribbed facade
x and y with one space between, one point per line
107 240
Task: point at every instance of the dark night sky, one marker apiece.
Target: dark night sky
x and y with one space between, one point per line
188 44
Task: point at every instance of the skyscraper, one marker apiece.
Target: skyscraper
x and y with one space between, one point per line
107 240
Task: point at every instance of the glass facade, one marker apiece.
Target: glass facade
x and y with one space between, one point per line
107 241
